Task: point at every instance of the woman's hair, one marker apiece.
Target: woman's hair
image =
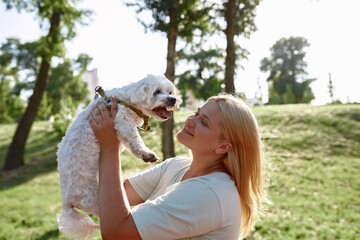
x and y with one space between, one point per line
245 161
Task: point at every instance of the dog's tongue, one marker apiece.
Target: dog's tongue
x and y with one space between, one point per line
162 112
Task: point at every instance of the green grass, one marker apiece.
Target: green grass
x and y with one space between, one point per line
314 181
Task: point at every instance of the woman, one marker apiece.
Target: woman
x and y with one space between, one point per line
215 194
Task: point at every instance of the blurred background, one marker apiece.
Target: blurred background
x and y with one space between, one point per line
293 61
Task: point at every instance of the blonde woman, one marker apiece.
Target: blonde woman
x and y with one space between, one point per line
218 193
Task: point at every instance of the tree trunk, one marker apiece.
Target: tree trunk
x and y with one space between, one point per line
15 154
168 126
230 48
2 100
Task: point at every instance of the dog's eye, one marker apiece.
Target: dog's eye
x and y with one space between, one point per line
170 92
157 92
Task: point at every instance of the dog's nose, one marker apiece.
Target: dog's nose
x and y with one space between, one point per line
171 101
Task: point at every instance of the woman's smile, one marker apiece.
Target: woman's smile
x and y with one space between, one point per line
186 130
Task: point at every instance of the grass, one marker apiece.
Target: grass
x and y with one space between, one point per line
314 181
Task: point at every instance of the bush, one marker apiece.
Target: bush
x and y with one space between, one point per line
61 124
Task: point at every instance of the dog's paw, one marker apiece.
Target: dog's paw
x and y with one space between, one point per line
150 157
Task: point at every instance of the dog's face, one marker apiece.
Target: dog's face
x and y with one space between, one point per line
156 96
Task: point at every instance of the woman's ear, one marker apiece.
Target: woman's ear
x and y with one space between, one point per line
223 148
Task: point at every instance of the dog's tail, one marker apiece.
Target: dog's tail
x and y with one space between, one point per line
75 225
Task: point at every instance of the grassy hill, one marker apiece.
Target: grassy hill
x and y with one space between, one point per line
314 182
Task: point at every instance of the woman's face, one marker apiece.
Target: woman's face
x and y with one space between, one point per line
201 132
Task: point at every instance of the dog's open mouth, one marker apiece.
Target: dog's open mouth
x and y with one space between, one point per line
162 112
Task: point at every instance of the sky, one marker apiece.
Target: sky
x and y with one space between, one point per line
122 52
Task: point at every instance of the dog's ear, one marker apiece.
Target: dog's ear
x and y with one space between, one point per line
140 93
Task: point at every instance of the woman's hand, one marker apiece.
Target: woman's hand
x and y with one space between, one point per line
102 124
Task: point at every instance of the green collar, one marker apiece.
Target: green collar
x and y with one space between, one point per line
147 126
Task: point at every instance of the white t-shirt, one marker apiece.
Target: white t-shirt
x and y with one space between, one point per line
205 207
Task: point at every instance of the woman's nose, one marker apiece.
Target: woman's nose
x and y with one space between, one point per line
190 121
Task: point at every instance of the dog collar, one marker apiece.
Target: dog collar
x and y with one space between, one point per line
147 126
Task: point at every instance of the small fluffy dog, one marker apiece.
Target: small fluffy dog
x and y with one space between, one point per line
78 153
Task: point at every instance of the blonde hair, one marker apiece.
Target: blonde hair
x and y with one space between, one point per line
245 161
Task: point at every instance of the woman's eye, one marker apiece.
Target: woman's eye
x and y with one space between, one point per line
204 122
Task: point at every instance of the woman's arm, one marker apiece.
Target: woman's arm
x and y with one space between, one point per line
116 221
132 195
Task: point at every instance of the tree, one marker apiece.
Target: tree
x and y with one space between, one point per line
239 16
288 77
62 16
11 106
177 19
207 76
66 89
230 19
331 88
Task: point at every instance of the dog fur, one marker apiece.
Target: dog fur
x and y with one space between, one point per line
78 153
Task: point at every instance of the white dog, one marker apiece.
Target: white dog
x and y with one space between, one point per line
78 153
